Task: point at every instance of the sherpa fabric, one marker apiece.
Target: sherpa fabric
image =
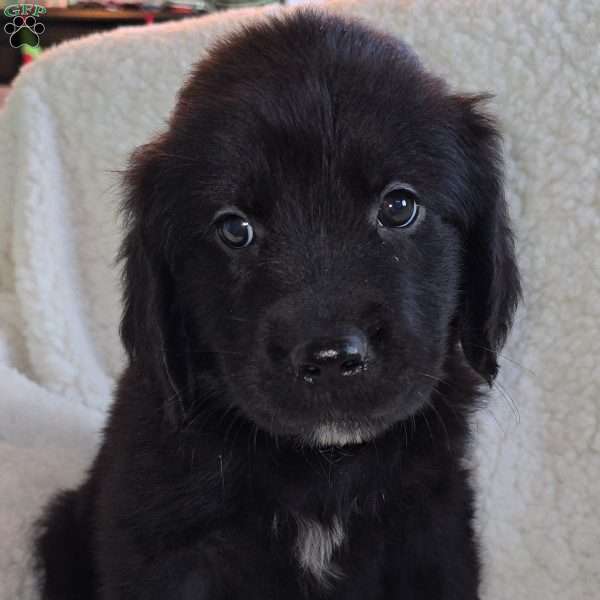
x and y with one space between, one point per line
65 133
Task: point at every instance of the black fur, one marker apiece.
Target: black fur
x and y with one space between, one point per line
207 470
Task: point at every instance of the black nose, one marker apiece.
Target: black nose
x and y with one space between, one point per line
323 359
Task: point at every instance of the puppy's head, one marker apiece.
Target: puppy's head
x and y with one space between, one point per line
319 228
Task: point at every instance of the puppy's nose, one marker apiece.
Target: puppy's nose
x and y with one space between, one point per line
322 359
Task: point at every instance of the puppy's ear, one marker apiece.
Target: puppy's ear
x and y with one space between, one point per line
151 326
490 285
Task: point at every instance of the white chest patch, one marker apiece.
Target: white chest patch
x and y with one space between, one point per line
315 546
333 434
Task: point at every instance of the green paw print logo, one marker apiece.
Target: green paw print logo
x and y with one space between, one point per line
24 28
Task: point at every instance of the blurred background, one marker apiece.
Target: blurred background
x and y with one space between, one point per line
62 20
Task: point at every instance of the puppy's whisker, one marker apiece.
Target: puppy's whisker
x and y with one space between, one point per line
441 420
495 419
430 376
503 356
177 392
438 388
197 422
444 399
203 413
497 384
424 415
513 405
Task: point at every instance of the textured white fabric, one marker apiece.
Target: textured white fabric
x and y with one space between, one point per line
71 121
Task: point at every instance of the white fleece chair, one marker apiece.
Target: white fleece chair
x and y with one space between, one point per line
67 129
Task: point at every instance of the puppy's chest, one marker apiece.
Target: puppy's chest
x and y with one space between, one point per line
316 546
323 551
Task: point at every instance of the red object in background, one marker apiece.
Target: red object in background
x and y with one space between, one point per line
149 18
29 53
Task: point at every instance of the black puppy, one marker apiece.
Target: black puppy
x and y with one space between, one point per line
319 273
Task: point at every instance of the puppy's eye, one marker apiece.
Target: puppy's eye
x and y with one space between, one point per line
398 208
235 231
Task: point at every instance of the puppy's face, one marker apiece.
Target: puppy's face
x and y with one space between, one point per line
309 228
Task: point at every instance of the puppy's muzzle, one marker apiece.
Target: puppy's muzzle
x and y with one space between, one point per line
328 359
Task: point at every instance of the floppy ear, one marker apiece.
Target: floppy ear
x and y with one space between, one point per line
151 325
491 286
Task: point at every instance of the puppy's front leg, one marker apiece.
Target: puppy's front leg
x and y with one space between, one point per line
450 578
220 567
433 556
184 575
